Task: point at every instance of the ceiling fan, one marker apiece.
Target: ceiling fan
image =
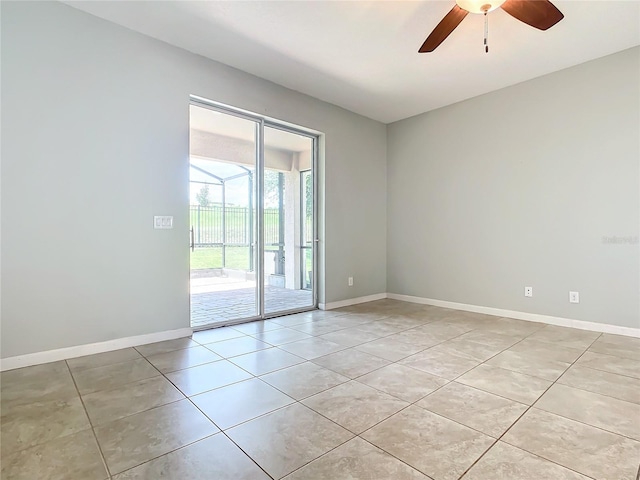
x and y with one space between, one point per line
541 14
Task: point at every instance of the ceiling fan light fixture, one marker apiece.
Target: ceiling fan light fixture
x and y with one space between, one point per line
540 14
479 6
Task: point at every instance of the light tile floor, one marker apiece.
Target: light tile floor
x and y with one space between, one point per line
385 390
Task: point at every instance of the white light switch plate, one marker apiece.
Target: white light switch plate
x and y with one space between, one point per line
162 221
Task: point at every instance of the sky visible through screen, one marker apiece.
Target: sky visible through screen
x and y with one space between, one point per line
237 189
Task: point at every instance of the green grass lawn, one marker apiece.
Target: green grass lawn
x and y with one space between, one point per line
211 257
207 225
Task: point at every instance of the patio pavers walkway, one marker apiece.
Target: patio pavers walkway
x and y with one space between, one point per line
224 306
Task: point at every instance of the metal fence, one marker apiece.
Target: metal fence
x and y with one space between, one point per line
232 226
229 232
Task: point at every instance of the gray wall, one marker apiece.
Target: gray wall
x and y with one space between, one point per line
95 142
518 188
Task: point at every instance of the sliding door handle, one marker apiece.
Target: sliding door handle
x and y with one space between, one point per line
193 240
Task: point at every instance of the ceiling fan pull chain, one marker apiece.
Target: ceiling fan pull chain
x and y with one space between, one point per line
486 32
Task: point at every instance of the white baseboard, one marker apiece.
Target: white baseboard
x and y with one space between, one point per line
531 317
352 301
37 358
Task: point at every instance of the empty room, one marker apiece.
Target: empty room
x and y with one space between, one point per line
309 240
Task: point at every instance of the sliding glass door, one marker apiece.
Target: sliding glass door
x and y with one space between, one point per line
252 217
223 217
288 220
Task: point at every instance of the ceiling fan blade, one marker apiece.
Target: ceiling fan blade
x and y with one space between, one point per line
541 14
447 25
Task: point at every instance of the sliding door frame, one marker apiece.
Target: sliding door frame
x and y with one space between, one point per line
314 174
262 122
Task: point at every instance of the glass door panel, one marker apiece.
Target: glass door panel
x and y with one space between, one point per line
222 179
307 232
288 221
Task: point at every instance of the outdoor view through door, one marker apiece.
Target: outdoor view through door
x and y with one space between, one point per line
227 201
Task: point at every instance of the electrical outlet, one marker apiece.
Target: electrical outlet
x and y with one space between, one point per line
528 291
350 281
574 297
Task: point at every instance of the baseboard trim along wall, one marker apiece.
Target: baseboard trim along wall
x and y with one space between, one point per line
531 317
351 301
37 358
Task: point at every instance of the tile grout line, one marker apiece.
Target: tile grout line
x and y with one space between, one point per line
442 386
188 398
410 404
167 453
359 435
583 389
307 407
393 456
248 419
80 397
450 381
155 407
454 379
162 375
612 373
380 338
355 379
525 412
529 407
224 432
122 385
546 343
93 431
308 396
247 455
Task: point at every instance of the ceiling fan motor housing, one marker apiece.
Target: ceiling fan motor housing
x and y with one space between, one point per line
479 6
